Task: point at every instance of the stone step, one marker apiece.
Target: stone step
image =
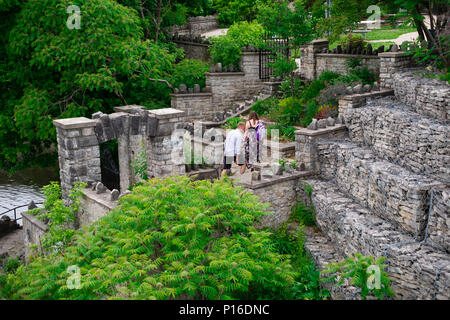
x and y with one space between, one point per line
417 270
390 191
393 132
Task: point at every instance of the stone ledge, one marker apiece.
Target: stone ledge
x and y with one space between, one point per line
381 93
191 95
74 123
168 113
394 54
101 199
345 55
275 180
319 132
130 109
225 74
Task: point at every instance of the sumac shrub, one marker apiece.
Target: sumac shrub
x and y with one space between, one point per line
170 238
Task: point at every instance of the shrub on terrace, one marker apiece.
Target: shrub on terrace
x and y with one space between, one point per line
190 72
227 49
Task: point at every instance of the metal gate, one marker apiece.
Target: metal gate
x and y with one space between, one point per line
273 45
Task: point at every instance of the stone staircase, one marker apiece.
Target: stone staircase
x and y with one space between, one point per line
384 190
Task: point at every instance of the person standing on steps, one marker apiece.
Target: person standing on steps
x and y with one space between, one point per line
253 138
232 148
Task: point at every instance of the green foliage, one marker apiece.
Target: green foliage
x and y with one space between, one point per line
291 242
232 123
305 214
170 239
278 19
227 49
354 41
264 107
285 132
362 272
139 163
292 87
11 265
59 216
49 71
190 72
232 11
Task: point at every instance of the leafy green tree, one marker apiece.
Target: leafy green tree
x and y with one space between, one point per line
170 239
232 11
50 71
227 49
190 72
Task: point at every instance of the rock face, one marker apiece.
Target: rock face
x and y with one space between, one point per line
384 190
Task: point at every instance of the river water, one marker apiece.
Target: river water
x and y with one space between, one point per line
24 187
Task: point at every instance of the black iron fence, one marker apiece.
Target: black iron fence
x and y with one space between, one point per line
274 47
15 212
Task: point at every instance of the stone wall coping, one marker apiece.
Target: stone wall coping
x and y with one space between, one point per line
283 146
129 109
225 74
275 180
74 123
319 132
35 221
166 113
382 92
394 54
250 53
191 95
346 55
101 199
315 42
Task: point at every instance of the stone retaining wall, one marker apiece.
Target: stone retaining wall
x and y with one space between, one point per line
281 192
417 271
390 191
93 206
33 231
338 63
439 224
405 138
428 97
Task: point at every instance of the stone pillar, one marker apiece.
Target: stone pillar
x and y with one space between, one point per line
78 151
390 62
249 64
308 58
306 154
132 142
165 148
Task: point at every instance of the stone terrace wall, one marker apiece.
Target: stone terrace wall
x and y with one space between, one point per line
439 224
224 87
316 58
33 231
412 266
405 138
428 97
197 25
338 63
280 191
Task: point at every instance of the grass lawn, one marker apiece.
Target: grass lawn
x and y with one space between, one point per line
388 34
